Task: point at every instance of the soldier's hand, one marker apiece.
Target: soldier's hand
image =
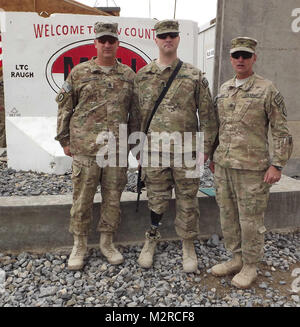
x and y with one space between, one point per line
272 175
212 166
202 158
137 157
67 151
206 156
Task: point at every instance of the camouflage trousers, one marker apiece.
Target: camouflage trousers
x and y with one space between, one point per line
242 197
2 129
86 176
160 182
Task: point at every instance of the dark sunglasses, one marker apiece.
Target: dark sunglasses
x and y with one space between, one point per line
172 35
109 39
243 54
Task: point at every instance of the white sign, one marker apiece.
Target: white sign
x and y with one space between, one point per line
210 53
296 22
39 52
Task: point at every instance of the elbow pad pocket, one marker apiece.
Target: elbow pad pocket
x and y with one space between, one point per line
286 147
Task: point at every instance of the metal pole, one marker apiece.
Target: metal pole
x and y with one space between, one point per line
149 8
175 9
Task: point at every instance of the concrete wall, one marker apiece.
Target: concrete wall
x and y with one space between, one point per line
276 26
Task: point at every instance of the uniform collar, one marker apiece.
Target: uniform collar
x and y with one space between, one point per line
153 68
117 67
246 86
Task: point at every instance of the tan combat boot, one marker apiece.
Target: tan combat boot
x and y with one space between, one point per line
108 249
79 250
190 262
229 267
145 259
245 277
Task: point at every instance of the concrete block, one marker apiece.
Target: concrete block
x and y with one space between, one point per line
31 145
41 223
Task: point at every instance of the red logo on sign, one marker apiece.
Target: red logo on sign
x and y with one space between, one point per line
61 63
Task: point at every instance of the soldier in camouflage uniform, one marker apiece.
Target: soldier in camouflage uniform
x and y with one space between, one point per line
95 98
2 113
246 106
188 95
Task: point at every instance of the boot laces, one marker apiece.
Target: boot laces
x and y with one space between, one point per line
80 248
110 248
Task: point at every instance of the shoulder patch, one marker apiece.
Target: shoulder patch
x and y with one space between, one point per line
60 97
278 98
280 103
204 82
67 87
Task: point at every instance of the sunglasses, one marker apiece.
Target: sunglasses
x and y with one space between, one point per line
243 54
172 35
109 39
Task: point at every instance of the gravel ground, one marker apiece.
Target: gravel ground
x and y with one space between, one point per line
42 280
20 183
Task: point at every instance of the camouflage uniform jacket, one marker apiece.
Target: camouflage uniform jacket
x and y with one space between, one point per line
93 101
188 94
244 114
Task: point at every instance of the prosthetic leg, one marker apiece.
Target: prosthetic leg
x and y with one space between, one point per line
152 236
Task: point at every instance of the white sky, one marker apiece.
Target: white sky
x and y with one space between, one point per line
201 11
